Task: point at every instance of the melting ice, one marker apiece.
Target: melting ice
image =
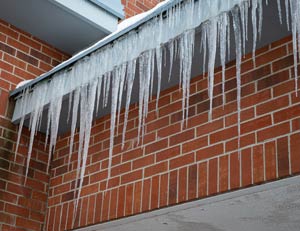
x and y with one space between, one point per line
110 71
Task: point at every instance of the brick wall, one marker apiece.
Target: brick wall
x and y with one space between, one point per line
134 7
173 165
22 205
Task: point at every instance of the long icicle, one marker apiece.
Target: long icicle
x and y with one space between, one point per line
238 48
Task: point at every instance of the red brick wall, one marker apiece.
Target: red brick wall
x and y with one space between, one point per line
134 7
22 206
174 165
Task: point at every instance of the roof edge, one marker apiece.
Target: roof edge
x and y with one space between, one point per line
107 40
108 9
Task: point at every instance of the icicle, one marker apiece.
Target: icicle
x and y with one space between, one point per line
228 37
70 106
106 88
23 103
142 87
114 103
260 17
244 22
204 43
37 97
159 72
279 11
99 87
130 79
90 103
122 73
74 121
171 50
238 50
54 114
254 26
212 47
287 14
294 9
152 67
223 32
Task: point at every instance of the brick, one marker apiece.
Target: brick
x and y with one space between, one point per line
272 105
16 44
213 176
270 156
30 42
224 134
234 171
173 187
163 199
295 153
9 32
192 181
105 205
158 145
8 49
223 173
17 210
287 114
70 215
273 131
14 61
144 161
90 189
154 192
52 53
132 176
113 204
283 63
271 55
202 180
156 124
129 199
256 74
182 185
29 224
273 80
137 197
121 202
245 140
182 161
6 66
40 56
27 58
6 218
17 189
169 130
283 157
168 153
284 88
120 169
209 152
57 221
132 154
258 164
146 195
63 216
181 137
256 98
256 124
246 158
155 169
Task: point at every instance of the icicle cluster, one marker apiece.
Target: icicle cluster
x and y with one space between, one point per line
110 71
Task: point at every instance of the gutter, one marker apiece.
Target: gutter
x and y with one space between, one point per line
107 40
108 9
